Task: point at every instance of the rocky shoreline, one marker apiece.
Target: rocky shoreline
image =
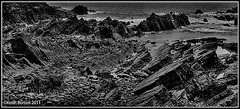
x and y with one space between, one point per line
77 62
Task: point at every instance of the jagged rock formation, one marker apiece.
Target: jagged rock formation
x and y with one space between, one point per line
165 22
30 12
189 72
233 10
225 17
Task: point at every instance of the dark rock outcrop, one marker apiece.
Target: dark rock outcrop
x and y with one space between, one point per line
165 22
225 17
233 10
80 10
205 20
198 11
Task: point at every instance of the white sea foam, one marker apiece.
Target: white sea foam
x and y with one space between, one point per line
207 30
135 21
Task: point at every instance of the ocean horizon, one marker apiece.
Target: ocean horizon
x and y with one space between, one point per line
124 11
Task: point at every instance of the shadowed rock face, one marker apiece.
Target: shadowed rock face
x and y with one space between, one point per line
30 12
165 22
20 45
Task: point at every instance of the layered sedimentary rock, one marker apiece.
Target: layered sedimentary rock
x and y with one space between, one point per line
191 72
164 22
204 87
158 92
159 61
170 76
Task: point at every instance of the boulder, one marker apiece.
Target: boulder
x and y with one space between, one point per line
198 11
226 24
80 10
205 20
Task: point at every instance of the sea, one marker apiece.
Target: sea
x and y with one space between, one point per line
141 10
